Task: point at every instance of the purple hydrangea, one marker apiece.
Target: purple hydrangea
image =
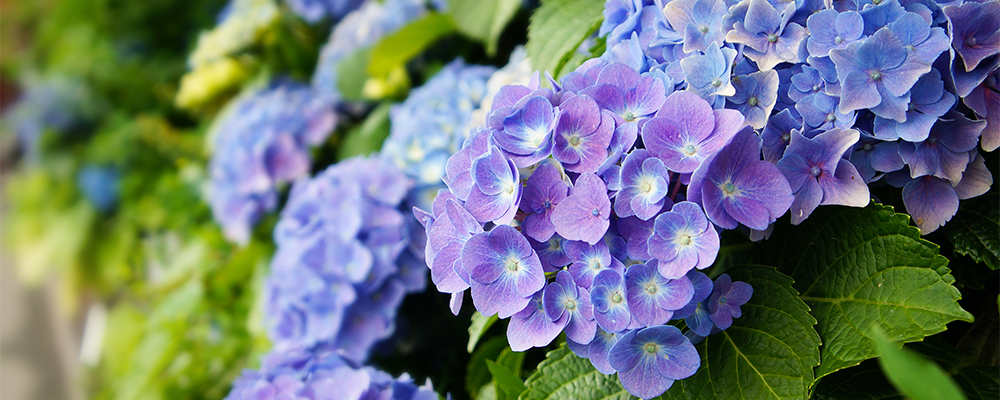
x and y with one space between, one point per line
817 173
320 374
649 360
260 141
336 279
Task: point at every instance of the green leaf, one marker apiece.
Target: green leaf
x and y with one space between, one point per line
368 137
352 73
973 230
858 268
563 375
914 376
768 353
483 20
395 50
477 375
977 380
506 380
557 28
863 382
480 324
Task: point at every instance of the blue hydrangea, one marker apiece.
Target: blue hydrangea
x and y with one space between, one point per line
100 185
315 10
261 141
336 277
318 374
360 28
431 124
58 104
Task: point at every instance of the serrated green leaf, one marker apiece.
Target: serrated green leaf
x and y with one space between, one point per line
398 48
858 268
768 353
913 375
483 20
863 382
512 360
477 375
505 379
973 231
557 28
563 375
368 137
479 325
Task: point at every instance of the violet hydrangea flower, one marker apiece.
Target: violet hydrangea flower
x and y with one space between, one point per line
727 297
928 102
644 186
736 187
829 29
975 31
564 301
505 271
877 73
649 360
531 327
584 214
651 297
582 135
818 174
687 130
610 301
708 74
544 190
683 239
755 96
700 21
769 37
497 189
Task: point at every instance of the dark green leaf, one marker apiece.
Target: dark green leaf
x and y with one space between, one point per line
563 375
366 138
352 73
557 28
913 375
768 353
863 382
396 49
483 20
477 374
506 380
862 267
975 230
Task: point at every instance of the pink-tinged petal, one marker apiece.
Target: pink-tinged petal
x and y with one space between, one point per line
584 214
930 201
689 112
499 298
806 200
858 92
846 188
976 180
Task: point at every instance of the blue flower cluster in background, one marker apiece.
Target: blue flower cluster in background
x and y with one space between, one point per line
49 103
100 185
260 141
429 126
360 28
322 374
336 278
315 10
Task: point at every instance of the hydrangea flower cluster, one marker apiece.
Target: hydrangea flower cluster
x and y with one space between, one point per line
903 90
313 11
339 272
321 374
583 183
100 185
260 141
48 103
362 27
429 126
